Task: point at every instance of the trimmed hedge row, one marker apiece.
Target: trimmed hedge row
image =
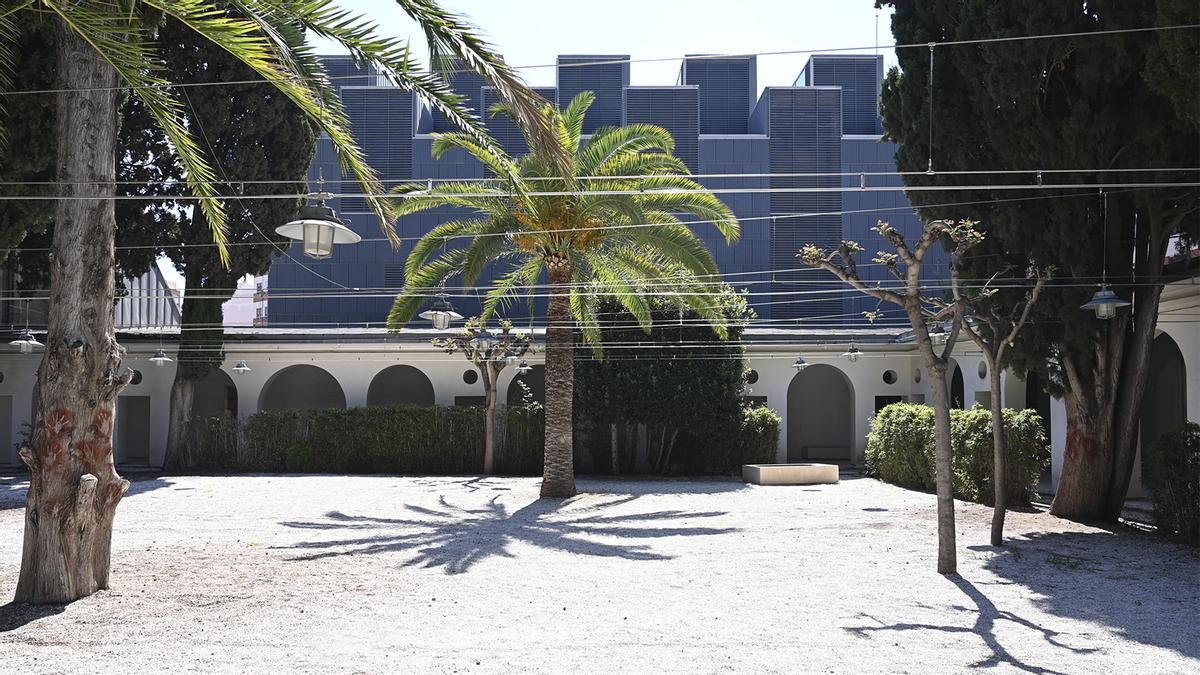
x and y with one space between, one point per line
752 442
1174 482
377 439
900 450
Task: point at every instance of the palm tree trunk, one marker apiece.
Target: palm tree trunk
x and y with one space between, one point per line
489 419
74 488
558 472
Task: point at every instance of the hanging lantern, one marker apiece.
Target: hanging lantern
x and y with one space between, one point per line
240 367
25 341
851 354
441 313
160 358
1105 303
800 364
523 367
937 334
318 227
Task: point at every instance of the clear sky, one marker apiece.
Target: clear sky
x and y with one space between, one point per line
534 32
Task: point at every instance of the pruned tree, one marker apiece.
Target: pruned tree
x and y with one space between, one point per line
994 328
905 264
490 351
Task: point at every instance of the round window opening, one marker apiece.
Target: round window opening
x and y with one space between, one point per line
982 370
889 377
752 377
137 377
917 375
470 376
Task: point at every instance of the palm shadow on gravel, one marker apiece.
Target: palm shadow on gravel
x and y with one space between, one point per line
987 615
1146 588
455 538
15 615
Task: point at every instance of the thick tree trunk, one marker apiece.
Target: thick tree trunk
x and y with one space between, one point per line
74 487
558 473
1087 460
181 443
1136 367
999 460
944 470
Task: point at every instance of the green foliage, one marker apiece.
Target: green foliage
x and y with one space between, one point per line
900 446
900 450
1174 482
1081 103
392 439
1025 444
573 232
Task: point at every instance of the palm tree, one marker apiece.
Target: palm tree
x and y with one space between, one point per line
603 221
105 47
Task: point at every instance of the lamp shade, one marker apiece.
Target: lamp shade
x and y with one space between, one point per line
241 367
800 364
25 342
1105 303
523 367
318 227
851 354
160 358
440 313
937 334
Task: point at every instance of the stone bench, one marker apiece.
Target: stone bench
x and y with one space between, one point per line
789 474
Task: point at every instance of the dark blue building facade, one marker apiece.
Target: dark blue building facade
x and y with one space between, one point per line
798 157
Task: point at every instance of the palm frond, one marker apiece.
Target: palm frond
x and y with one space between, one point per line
9 33
430 276
674 242
611 142
245 39
524 274
121 41
572 118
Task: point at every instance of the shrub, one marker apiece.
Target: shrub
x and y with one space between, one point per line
752 441
1174 482
759 436
1025 447
393 439
901 448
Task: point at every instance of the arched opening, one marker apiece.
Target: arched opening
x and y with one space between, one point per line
301 387
535 380
400 385
1164 407
215 395
820 415
958 395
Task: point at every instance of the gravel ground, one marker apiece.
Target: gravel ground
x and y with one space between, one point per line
335 573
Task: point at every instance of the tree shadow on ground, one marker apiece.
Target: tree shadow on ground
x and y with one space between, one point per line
986 617
14 488
455 538
1145 588
15 614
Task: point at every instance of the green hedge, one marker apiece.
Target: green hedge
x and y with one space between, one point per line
900 450
1174 482
392 439
753 442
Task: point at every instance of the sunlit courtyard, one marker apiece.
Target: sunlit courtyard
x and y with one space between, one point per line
257 573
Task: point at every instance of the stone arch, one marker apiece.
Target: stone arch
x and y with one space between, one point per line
400 385
1164 407
214 395
299 387
820 415
535 379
